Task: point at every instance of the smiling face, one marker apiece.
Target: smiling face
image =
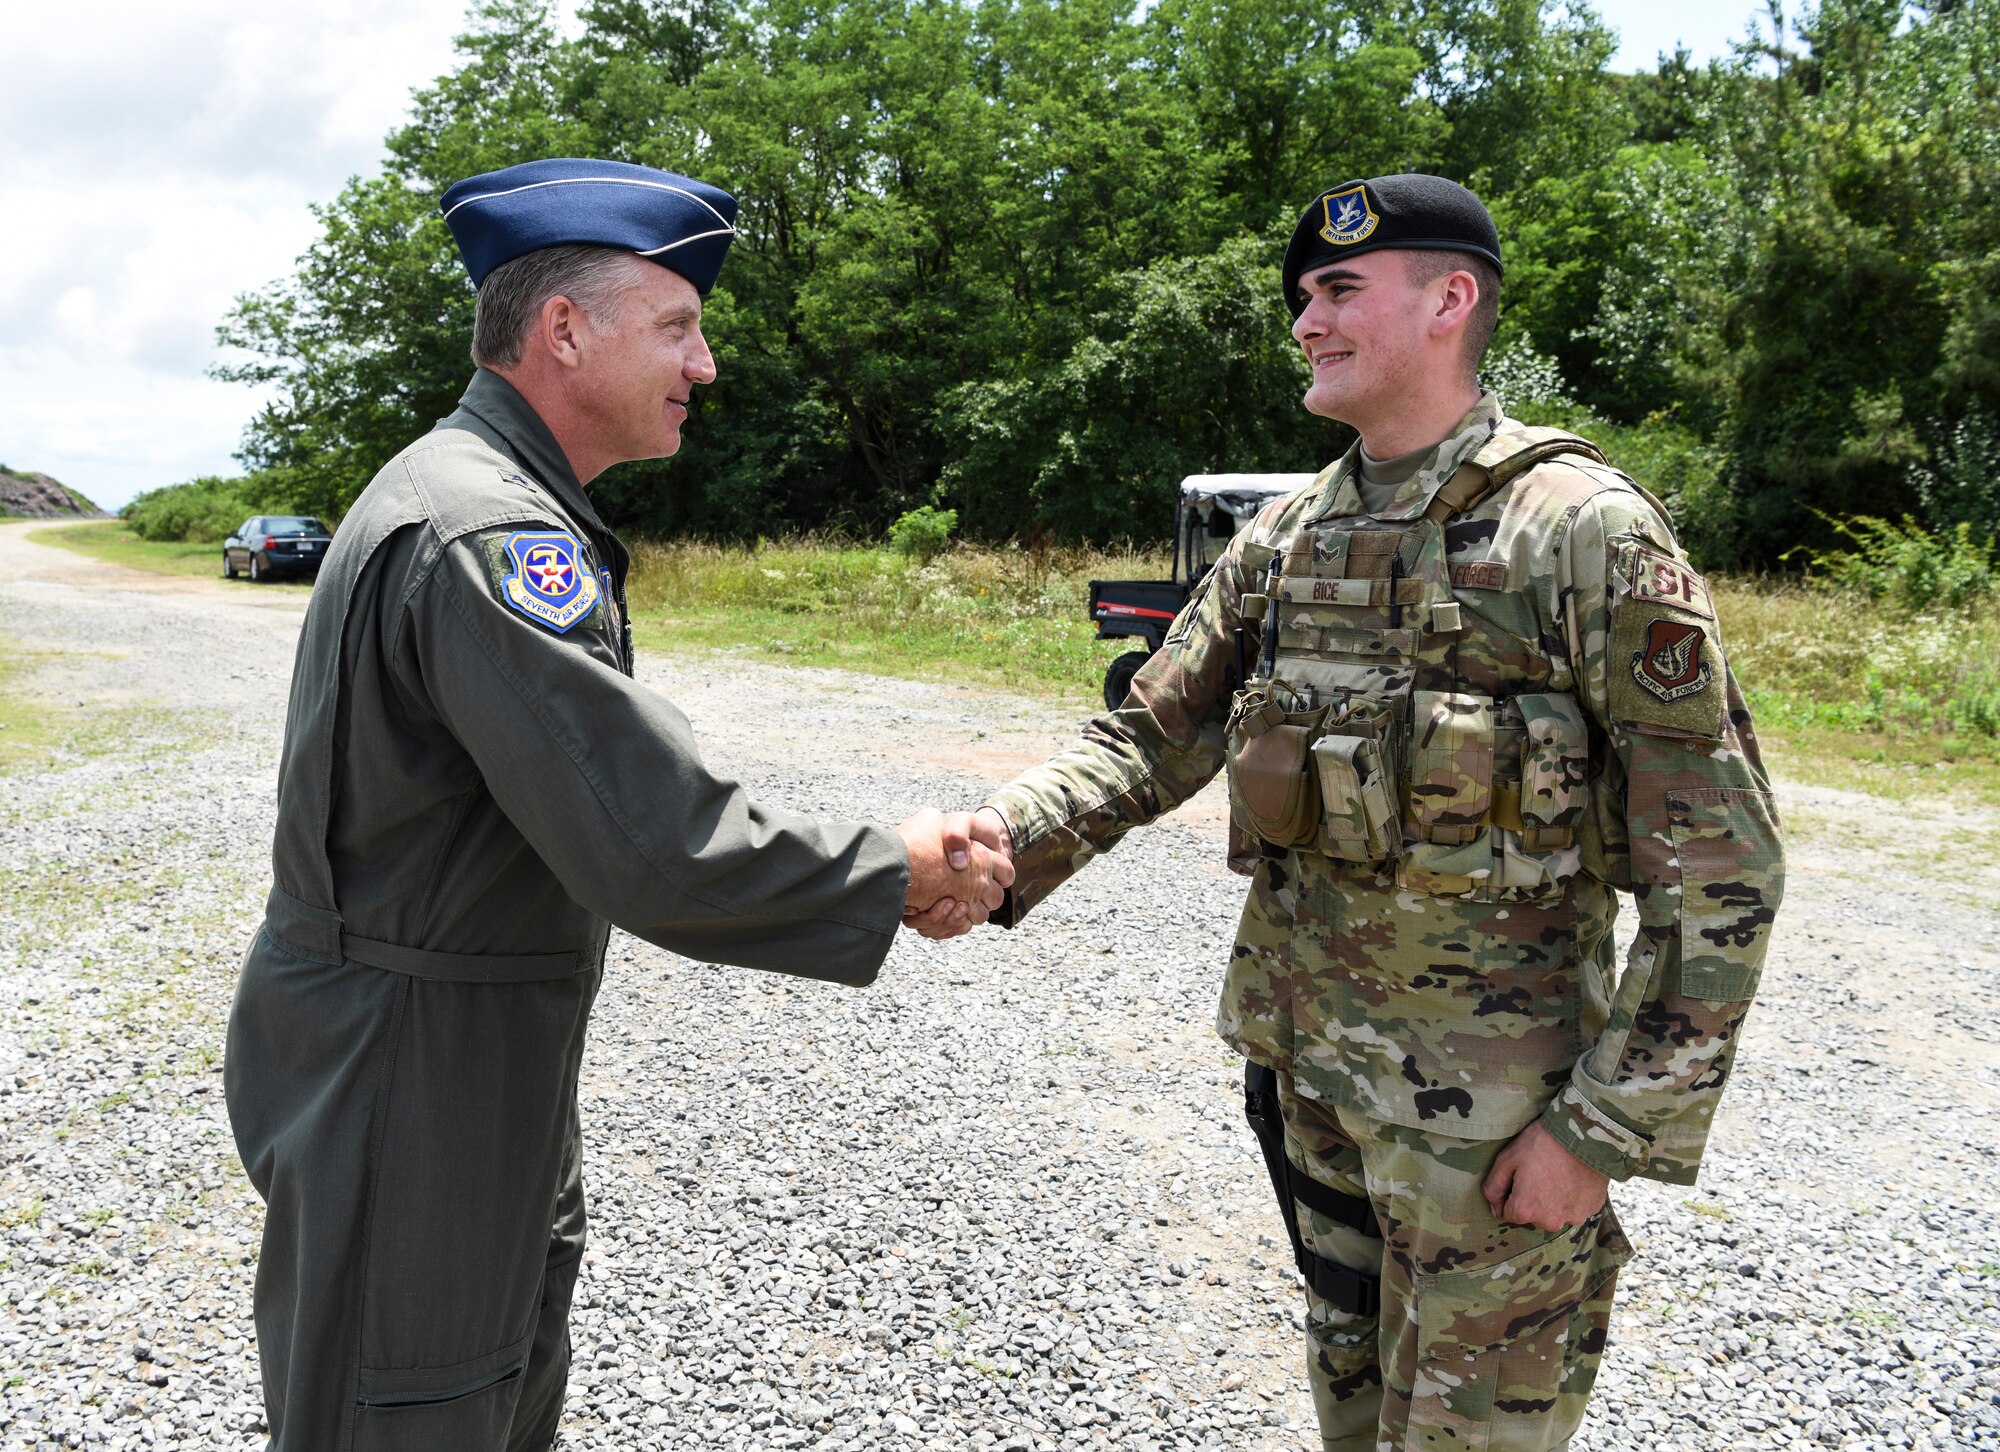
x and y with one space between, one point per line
633 380
1366 330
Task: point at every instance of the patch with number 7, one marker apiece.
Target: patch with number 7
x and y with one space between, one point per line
1663 580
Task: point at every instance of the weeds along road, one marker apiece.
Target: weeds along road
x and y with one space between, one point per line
1002 1200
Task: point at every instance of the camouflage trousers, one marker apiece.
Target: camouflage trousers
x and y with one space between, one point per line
1489 1335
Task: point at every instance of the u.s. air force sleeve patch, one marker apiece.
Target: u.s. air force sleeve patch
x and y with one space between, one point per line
1666 658
543 575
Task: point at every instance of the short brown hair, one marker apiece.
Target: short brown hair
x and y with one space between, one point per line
511 297
1426 267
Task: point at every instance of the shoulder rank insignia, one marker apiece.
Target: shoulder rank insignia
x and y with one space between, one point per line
1349 217
548 582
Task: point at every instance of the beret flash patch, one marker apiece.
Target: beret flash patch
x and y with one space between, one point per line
1349 217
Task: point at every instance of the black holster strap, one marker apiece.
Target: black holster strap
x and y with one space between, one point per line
1260 1107
1353 1211
1342 1287
1346 1289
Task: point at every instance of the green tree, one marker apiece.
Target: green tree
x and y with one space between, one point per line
1193 373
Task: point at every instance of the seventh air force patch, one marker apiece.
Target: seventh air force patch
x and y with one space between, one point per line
548 582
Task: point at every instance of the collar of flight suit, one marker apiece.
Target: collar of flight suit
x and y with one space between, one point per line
494 402
1341 493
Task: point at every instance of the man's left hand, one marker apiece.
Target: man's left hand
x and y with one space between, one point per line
1537 1182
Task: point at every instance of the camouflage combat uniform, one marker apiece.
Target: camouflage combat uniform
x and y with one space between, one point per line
1520 704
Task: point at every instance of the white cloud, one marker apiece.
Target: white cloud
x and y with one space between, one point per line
160 160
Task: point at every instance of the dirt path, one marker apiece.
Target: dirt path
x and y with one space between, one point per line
1066 1070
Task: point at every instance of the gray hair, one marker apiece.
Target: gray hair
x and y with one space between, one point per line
511 297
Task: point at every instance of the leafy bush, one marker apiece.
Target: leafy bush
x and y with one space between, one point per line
1525 380
1908 566
199 511
1964 488
922 533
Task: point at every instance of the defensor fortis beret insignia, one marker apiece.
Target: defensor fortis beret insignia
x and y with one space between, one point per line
676 221
1349 217
1410 211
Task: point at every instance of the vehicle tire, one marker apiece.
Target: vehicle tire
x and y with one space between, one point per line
228 566
256 569
1118 678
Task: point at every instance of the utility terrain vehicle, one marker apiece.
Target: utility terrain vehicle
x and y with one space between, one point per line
1208 512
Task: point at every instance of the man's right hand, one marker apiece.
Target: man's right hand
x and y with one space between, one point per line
957 878
986 829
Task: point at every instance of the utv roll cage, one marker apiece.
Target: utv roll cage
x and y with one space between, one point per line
1209 511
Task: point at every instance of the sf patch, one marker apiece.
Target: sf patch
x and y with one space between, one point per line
547 581
1665 667
1349 217
1661 579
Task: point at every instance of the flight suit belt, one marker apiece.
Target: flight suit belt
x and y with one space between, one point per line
319 935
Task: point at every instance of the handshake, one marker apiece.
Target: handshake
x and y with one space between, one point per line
960 869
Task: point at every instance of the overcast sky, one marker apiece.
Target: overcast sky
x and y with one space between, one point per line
159 159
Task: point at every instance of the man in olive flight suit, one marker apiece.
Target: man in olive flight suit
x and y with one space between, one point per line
473 788
1467 687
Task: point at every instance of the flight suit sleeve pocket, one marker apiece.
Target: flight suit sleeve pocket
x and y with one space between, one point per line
1728 847
1509 1343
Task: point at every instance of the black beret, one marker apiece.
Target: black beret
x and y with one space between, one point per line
682 224
1410 211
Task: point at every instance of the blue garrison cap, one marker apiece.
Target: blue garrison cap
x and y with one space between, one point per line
680 223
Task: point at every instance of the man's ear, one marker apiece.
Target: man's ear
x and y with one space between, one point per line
1458 295
559 330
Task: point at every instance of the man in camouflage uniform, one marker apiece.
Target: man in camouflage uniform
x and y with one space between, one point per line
1467 687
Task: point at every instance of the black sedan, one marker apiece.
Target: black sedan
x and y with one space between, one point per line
269 545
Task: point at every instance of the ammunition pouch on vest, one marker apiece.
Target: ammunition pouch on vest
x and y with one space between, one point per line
1273 793
1357 759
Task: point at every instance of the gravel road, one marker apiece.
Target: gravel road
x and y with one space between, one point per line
1003 1200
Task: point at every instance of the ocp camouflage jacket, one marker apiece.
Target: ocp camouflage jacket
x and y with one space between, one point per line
1535 688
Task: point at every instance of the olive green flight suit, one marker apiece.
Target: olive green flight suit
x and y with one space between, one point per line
469 794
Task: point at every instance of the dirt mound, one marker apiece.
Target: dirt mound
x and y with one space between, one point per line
39 497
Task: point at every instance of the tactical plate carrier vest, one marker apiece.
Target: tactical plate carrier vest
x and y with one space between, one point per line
1391 726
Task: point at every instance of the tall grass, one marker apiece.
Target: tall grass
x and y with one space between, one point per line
1814 653
1013 617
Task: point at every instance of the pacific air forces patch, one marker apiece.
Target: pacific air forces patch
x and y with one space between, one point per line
548 581
1666 662
1669 664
